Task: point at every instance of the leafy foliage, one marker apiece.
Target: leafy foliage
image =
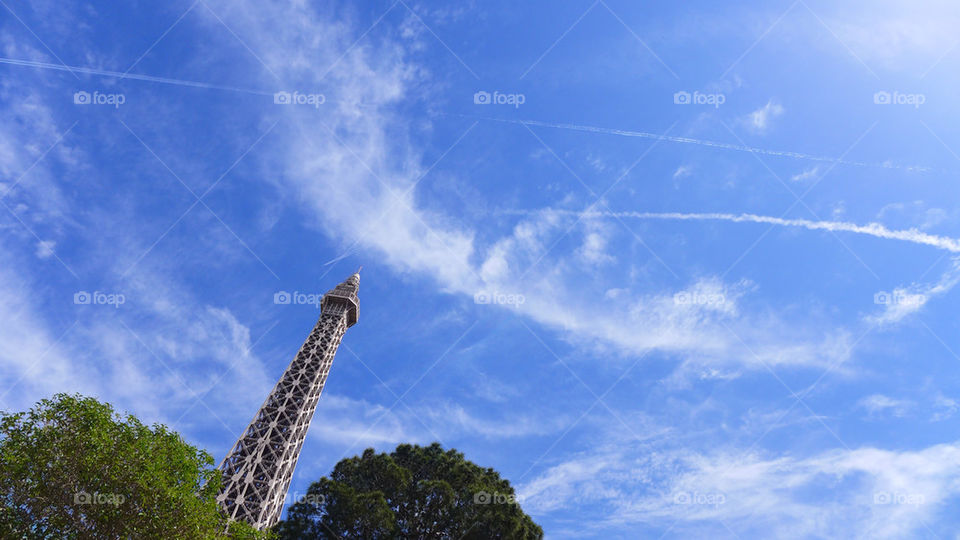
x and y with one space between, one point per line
73 468
413 492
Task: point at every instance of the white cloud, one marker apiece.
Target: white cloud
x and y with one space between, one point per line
759 120
914 213
894 35
807 174
88 348
355 423
838 493
944 408
31 132
682 171
454 420
361 177
905 301
880 404
350 424
32 358
594 249
45 249
569 483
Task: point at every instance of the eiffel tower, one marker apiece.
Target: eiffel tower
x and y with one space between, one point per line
257 471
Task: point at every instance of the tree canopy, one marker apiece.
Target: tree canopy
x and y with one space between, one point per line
71 467
413 492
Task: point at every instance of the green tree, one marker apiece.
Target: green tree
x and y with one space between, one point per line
413 492
71 467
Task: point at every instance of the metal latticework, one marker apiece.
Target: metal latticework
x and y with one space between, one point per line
258 470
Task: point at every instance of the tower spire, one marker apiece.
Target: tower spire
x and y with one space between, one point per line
258 469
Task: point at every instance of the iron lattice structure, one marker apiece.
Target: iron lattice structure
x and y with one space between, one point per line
257 471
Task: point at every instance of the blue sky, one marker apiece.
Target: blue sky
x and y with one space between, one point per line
621 253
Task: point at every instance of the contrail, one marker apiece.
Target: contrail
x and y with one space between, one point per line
871 229
150 78
340 258
714 144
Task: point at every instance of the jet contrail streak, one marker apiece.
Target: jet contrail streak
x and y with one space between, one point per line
150 78
714 144
871 229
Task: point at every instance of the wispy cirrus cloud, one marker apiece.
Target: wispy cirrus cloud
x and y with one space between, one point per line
883 493
350 168
877 404
904 301
891 35
358 174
